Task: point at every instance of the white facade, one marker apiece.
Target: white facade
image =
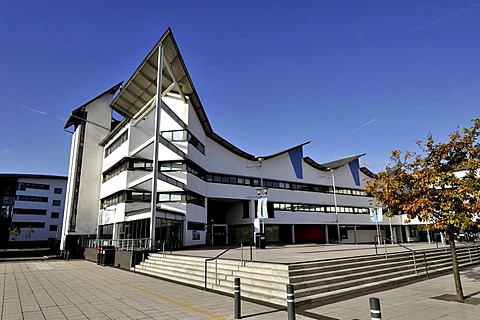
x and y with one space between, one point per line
92 121
207 189
38 206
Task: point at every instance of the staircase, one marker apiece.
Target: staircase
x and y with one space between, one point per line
317 282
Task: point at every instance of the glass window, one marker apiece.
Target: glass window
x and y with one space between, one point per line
177 166
57 190
168 135
178 136
164 197
176 197
55 215
56 203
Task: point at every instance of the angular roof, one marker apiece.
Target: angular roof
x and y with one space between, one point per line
142 87
75 115
284 151
332 164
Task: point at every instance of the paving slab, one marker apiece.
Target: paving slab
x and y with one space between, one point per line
78 289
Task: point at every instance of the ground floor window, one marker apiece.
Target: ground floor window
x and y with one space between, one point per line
169 232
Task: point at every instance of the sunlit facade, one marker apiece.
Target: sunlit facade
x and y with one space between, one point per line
206 190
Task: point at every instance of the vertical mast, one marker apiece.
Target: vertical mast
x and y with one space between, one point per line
156 132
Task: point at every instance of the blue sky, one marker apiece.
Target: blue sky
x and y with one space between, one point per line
353 77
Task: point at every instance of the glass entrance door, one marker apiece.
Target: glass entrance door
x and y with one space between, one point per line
219 234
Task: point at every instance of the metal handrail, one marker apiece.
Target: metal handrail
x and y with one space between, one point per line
405 247
225 251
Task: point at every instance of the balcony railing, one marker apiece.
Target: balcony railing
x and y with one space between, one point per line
120 244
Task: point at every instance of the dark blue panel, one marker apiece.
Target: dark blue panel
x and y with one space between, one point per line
355 169
296 157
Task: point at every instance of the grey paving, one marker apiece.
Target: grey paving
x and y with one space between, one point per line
77 289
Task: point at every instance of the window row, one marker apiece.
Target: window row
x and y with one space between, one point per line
27 185
136 196
183 135
319 208
127 164
36 212
117 143
255 182
32 198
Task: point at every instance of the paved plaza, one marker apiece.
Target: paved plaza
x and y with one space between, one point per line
78 289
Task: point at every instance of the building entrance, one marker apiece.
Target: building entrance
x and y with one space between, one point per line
219 234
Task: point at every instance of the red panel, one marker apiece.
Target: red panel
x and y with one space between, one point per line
309 233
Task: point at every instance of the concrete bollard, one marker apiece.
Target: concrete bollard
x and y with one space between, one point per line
290 302
375 312
237 299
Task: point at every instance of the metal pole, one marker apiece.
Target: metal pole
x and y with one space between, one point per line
335 203
392 235
262 220
237 299
156 132
290 302
375 312
414 262
241 257
425 263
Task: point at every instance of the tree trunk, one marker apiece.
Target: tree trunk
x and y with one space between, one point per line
456 271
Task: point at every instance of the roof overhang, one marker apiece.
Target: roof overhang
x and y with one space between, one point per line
332 164
76 116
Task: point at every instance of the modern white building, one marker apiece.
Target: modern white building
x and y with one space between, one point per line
188 186
33 205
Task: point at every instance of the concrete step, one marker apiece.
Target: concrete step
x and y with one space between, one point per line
315 281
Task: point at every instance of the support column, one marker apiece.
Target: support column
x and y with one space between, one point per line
293 233
156 133
355 233
327 241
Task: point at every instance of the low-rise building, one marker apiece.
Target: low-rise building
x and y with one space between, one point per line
32 207
187 186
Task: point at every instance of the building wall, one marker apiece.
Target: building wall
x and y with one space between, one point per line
97 127
53 208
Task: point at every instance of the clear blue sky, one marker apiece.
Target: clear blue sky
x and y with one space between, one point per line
351 76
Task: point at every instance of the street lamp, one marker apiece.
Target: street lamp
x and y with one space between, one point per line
335 203
262 213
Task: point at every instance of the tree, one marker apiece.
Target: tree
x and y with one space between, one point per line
15 232
440 186
30 230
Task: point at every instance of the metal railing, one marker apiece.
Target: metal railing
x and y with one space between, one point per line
120 244
381 238
469 248
239 243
